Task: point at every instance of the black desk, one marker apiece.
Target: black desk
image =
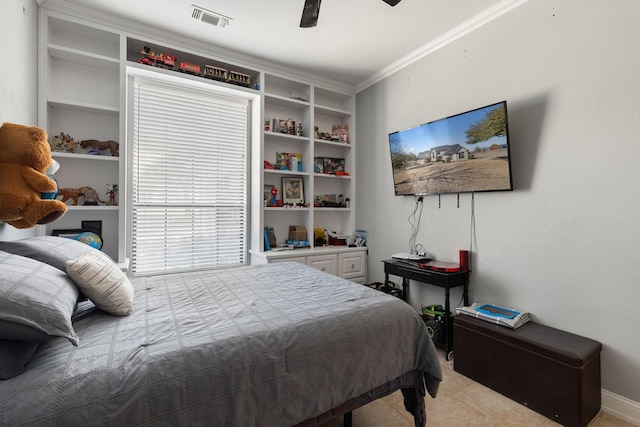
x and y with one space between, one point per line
434 278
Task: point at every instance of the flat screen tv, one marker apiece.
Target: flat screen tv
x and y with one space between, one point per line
468 152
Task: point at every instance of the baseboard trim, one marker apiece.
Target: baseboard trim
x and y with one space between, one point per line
621 407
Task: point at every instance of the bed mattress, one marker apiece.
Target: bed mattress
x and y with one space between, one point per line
273 345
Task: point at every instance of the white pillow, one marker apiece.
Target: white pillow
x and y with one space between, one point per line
100 279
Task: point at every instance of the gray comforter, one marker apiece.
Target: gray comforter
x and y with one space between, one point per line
269 345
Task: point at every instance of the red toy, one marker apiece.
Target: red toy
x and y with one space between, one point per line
274 196
189 68
160 60
111 192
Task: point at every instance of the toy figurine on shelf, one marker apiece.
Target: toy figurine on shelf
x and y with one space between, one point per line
274 196
340 133
160 60
89 194
63 143
111 192
290 126
112 146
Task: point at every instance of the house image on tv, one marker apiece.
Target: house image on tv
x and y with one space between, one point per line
449 153
424 157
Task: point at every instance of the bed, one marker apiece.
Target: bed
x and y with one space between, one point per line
278 344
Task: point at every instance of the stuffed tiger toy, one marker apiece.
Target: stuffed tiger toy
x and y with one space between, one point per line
89 194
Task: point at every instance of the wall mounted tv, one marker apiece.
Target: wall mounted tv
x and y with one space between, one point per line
468 152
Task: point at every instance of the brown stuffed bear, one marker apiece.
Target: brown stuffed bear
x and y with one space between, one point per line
25 156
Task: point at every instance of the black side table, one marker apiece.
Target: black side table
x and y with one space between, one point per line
435 278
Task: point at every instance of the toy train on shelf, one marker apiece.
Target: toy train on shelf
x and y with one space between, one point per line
168 62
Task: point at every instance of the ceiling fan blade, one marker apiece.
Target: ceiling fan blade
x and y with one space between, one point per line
310 13
391 2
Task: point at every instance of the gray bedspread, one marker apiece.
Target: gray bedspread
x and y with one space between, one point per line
268 345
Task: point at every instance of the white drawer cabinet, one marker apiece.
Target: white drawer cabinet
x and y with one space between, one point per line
349 263
300 259
353 266
327 263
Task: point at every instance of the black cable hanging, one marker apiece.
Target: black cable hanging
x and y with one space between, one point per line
472 231
415 224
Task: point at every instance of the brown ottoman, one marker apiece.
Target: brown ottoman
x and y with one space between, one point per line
553 372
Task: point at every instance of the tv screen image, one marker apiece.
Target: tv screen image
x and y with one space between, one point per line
467 152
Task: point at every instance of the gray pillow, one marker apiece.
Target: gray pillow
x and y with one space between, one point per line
52 250
14 355
37 296
19 332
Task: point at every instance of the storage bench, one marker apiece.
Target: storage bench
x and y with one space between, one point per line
553 372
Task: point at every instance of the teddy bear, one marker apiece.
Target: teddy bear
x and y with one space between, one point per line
25 158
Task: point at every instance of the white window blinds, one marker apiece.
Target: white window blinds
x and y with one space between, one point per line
189 178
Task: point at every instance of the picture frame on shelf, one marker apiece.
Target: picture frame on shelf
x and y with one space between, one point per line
93 226
289 161
282 161
292 191
340 133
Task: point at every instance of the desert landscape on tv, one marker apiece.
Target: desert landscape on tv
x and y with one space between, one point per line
464 153
487 172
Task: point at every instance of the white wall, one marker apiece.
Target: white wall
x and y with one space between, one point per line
563 244
19 75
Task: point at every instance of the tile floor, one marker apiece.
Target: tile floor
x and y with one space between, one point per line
460 402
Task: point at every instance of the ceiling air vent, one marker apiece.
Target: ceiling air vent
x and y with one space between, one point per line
209 17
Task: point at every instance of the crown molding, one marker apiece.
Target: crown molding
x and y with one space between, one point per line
450 36
142 31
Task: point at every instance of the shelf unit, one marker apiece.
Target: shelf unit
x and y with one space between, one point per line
334 108
318 108
343 261
83 62
79 94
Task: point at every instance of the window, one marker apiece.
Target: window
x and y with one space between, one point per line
189 177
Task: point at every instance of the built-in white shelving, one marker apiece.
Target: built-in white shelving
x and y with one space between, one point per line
83 62
79 95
